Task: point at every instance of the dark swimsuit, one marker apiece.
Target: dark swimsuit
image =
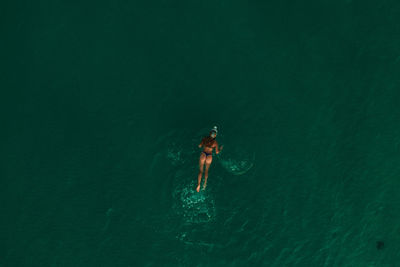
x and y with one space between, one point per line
206 153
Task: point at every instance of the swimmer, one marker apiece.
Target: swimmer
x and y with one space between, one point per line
208 143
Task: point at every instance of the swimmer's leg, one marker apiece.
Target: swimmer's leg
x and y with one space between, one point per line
201 167
208 163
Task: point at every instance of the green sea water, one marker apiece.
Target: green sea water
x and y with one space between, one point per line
104 105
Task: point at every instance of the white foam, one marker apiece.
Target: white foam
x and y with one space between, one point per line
193 206
236 164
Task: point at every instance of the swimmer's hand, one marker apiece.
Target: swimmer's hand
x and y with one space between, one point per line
219 149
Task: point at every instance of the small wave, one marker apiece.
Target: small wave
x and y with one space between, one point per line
175 155
237 163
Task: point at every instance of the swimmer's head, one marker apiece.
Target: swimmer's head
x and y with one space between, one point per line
213 132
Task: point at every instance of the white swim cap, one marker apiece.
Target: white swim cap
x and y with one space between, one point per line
214 129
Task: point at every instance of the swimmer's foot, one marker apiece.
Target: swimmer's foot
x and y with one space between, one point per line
198 188
204 186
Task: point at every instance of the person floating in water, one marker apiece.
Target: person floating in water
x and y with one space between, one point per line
208 143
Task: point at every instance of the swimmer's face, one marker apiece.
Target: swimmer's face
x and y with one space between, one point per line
213 135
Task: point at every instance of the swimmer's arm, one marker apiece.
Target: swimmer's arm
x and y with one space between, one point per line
217 149
201 143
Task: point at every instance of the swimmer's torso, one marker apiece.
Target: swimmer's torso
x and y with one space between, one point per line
210 147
